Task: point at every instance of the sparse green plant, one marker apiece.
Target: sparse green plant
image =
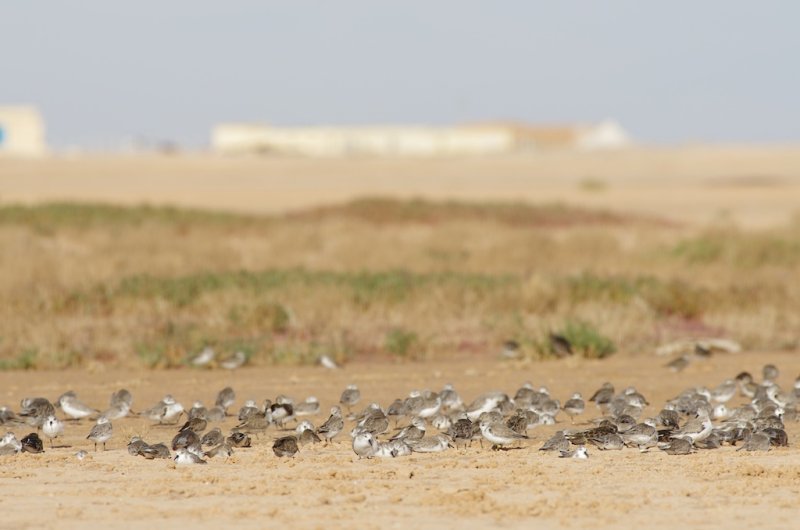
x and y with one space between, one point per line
401 342
587 340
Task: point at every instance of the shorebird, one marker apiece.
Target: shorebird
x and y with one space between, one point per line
101 432
350 396
430 444
237 360
32 444
285 446
73 407
412 432
510 350
186 439
557 442
574 406
392 449
225 398
309 407
695 429
642 435
365 445
499 434
165 411
580 453
212 438
184 457
450 398
52 428
254 424
223 449
725 391
770 372
9 444
308 436
326 361
603 395
485 403
239 439
119 405
156 451
204 358
607 441
677 446
333 426
198 425
757 441
560 345
36 410
461 431
136 446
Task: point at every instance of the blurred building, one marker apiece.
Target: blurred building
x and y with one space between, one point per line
475 139
21 131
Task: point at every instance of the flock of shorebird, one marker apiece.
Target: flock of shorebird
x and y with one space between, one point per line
698 418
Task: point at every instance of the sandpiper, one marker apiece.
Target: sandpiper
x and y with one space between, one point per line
225 398
677 446
204 358
223 449
212 438
392 449
412 432
309 407
333 426
574 406
580 453
285 446
239 439
184 457
32 444
156 451
642 435
101 432
73 407
52 428
326 361
430 444
365 445
557 442
603 395
758 441
695 429
499 434
350 396
237 360
9 444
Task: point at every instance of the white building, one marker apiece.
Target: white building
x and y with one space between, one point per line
475 139
364 140
21 131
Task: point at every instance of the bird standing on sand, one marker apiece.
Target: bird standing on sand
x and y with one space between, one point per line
574 406
350 396
52 428
333 426
101 432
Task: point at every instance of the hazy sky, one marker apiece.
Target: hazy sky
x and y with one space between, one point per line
104 71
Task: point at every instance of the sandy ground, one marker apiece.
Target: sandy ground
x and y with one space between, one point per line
329 487
754 186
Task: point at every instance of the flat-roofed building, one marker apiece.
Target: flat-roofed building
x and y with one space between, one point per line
21 131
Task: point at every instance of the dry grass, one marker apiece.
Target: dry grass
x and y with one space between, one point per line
88 283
